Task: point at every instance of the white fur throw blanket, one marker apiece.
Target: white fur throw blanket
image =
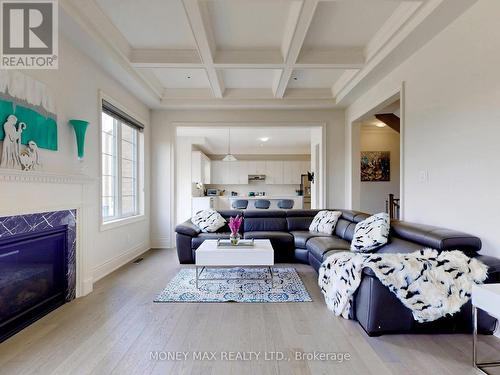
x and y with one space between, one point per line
429 283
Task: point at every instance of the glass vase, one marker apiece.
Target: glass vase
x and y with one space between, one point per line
235 238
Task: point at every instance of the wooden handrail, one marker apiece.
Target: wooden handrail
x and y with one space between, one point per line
392 207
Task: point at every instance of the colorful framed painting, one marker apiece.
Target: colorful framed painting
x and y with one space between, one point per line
375 166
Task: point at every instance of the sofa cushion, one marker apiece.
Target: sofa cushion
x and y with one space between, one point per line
187 228
264 220
197 241
301 237
318 246
208 220
325 221
264 213
372 233
345 229
434 237
299 223
281 241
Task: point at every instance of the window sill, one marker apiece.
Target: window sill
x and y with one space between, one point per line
122 222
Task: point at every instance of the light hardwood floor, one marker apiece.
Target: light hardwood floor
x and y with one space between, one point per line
114 329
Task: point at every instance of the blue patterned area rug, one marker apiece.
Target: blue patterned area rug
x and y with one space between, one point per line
288 286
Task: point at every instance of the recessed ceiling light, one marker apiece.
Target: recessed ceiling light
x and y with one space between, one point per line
264 139
378 124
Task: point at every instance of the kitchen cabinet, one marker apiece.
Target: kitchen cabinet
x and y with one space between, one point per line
219 174
229 173
238 173
274 172
200 168
256 167
291 172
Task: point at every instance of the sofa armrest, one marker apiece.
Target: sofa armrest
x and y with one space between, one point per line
187 228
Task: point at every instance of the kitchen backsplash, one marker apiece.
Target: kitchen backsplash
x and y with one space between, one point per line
282 190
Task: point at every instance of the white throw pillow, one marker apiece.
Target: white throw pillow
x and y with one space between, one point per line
208 220
325 221
371 233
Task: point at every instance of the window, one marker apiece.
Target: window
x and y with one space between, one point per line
121 141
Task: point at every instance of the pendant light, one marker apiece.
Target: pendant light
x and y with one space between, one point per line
229 156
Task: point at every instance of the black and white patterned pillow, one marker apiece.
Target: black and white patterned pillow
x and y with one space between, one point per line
208 220
325 221
371 233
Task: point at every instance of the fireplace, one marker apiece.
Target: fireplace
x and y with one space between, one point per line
37 267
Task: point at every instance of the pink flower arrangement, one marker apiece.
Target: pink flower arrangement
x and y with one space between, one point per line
235 223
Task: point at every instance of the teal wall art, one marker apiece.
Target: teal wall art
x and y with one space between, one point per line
32 104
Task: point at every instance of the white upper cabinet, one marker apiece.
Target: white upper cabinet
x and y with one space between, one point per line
219 172
256 167
291 172
274 172
200 168
238 173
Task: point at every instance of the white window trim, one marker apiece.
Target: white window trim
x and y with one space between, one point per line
141 216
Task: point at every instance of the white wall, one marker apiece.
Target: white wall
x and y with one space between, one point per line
452 125
163 144
76 84
373 194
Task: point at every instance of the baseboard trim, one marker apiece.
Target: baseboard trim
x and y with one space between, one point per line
161 243
118 261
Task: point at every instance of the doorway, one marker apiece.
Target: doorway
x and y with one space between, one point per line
269 159
377 155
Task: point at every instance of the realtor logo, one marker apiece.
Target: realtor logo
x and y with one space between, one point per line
29 37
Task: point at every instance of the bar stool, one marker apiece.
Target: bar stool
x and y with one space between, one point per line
286 204
262 204
240 204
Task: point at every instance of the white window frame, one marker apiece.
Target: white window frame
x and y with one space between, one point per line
139 215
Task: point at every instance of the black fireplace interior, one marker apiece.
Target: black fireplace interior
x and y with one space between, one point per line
33 278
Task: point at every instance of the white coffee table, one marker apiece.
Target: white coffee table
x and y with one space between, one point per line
487 298
208 255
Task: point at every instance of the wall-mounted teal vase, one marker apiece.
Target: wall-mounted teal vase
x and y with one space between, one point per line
80 127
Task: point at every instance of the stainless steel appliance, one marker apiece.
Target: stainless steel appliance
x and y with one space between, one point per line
305 186
212 192
256 177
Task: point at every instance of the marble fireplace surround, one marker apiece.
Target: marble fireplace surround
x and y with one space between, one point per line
57 196
33 223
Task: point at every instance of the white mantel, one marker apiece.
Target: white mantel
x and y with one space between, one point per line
36 191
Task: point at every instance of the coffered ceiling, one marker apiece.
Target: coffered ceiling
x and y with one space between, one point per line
250 52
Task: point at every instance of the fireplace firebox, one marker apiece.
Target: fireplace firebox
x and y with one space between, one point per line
37 266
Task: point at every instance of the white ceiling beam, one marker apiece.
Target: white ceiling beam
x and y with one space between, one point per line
187 94
164 58
205 42
338 58
398 18
249 58
247 93
296 41
242 103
